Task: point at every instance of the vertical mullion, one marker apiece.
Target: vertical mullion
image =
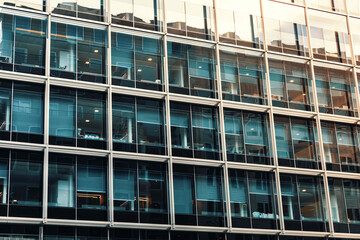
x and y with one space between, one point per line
46 120
109 128
318 125
171 199
272 126
356 83
222 123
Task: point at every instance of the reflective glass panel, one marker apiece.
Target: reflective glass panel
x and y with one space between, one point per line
191 70
285 32
136 61
329 37
189 18
291 85
335 89
239 25
243 77
93 10
78 53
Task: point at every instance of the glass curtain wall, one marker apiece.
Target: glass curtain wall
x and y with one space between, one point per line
189 18
92 10
303 203
138 125
285 28
191 70
137 13
21 183
136 61
78 53
253 199
243 77
77 187
329 37
345 208
198 194
296 143
22 44
140 192
355 35
290 83
194 131
239 25
77 118
335 91
340 147
20 101
247 137
331 5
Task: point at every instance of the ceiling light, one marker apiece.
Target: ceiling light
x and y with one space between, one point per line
291 80
304 190
149 59
87 62
297 134
247 74
96 51
139 70
87 120
96 110
251 129
200 67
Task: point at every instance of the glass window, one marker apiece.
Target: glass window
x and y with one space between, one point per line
198 196
335 91
353 7
340 147
137 13
78 53
302 202
19 231
93 10
246 137
285 32
189 18
22 47
331 5
77 187
329 37
140 191
194 131
19 101
355 26
136 61
345 208
138 125
77 118
134 234
239 25
291 85
59 232
191 70
295 142
253 203
20 183
243 77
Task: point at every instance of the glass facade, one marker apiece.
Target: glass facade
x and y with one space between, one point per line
179 119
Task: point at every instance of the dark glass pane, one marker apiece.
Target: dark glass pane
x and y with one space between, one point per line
91 188
61 193
25 193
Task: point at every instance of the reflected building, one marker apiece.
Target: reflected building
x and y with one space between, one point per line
179 119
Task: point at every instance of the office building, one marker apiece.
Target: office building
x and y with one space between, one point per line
180 119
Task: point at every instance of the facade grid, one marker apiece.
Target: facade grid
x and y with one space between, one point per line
173 119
